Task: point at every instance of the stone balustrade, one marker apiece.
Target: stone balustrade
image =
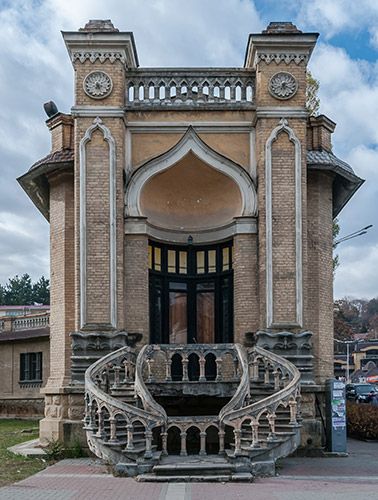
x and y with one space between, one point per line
122 413
190 88
191 363
31 322
264 366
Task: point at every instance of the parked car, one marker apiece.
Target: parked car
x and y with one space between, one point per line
359 392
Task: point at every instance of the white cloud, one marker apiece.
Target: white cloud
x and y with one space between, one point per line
349 96
36 68
332 17
355 277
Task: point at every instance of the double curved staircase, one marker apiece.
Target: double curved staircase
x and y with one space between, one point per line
130 425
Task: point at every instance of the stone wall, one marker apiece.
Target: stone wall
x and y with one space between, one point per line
21 399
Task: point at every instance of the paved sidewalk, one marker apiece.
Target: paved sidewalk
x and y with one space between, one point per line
350 478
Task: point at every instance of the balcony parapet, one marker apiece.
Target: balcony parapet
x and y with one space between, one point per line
190 88
31 322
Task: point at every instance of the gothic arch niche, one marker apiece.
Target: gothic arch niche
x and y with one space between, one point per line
190 188
190 195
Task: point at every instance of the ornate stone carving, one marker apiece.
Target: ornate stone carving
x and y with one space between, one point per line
283 85
88 347
285 341
94 55
97 85
287 58
295 347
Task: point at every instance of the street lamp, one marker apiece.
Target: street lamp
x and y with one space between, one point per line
350 236
348 342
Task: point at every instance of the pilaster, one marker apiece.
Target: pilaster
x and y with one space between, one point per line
280 55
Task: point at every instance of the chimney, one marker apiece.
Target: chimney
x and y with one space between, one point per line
61 128
320 129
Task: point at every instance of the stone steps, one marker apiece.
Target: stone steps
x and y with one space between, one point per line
197 469
245 477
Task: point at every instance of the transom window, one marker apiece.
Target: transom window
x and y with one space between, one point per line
190 260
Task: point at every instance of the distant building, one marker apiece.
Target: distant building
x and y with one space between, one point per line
24 361
363 361
23 310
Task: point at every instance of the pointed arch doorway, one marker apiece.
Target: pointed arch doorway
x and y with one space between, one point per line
191 293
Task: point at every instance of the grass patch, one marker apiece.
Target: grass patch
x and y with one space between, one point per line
15 467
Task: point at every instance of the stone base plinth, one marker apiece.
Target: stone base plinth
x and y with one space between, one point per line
64 412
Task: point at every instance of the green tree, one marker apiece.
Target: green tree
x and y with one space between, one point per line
312 98
19 290
41 291
335 233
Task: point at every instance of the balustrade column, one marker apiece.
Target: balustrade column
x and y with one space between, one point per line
100 431
116 377
221 442
255 371
132 371
237 434
272 423
293 412
150 362
266 375
127 370
202 362
185 362
255 434
113 430
276 375
87 416
183 452
232 93
219 362
148 436
164 439
203 443
130 437
236 367
168 373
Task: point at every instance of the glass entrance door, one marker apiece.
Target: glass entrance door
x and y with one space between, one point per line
190 294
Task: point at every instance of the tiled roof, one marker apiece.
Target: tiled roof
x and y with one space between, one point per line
327 158
62 156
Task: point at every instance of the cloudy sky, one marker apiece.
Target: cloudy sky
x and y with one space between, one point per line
35 68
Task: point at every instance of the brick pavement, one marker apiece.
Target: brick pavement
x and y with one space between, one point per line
300 479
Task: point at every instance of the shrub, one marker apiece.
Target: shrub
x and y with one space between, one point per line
362 420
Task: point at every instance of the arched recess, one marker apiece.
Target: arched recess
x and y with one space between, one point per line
191 148
98 125
283 127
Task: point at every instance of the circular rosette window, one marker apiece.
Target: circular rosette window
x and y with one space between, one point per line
283 85
98 85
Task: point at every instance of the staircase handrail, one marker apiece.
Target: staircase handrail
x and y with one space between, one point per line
96 392
270 402
149 403
242 392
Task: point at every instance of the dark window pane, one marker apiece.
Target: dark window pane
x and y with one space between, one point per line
205 317
178 323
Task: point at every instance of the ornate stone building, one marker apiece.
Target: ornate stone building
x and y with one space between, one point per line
191 219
